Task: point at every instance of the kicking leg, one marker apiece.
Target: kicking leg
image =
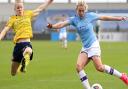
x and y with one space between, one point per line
109 70
27 53
81 63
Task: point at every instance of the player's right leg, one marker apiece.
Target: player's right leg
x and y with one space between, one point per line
82 61
65 40
17 57
64 43
14 68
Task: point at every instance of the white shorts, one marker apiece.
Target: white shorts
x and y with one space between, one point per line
63 35
93 50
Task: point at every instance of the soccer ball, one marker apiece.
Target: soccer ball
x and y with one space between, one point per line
96 86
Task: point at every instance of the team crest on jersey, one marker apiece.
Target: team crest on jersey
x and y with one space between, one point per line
81 26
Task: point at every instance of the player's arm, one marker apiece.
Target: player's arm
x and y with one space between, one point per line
41 7
3 32
112 18
58 25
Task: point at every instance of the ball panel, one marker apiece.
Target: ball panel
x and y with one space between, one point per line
96 86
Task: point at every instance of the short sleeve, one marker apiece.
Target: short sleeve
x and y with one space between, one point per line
10 22
29 13
71 20
94 16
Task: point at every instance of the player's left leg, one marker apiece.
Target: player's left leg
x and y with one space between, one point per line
61 40
65 40
107 69
26 54
65 43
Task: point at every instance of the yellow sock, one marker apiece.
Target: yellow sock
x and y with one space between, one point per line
27 59
18 70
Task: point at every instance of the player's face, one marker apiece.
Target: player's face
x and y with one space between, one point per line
19 8
81 10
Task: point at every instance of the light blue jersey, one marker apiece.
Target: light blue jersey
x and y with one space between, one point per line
84 28
63 30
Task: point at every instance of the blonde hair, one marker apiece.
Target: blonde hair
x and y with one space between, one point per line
18 1
82 3
17 4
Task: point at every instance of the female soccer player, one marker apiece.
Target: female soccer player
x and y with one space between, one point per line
91 48
63 37
21 25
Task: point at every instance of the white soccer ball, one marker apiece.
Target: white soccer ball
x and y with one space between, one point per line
96 86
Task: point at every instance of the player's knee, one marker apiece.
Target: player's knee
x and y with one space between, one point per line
79 67
28 50
100 68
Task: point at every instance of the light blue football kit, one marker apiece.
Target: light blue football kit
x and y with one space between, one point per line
91 47
62 33
85 30
62 30
84 27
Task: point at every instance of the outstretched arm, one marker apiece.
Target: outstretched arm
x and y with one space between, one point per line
3 33
58 25
42 7
112 18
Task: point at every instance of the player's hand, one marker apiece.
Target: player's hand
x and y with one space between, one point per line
49 25
124 18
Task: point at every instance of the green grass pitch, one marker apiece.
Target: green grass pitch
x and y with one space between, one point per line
54 68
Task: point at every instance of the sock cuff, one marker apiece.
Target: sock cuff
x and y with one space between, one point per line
82 74
109 69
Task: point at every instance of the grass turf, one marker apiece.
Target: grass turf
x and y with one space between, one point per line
54 68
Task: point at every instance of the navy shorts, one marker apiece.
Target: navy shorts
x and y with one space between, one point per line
18 51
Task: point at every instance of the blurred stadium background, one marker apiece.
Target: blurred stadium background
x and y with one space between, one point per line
53 67
109 31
